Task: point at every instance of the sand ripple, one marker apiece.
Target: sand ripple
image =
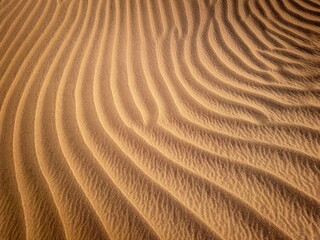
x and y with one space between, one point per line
125 119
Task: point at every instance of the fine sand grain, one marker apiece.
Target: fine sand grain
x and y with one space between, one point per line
159 119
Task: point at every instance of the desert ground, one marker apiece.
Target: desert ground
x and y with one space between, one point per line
159 119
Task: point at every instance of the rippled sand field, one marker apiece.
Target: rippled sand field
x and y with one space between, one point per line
159 119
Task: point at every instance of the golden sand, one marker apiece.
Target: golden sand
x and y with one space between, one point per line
159 119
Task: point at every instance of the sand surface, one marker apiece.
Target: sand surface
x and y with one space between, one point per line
159 119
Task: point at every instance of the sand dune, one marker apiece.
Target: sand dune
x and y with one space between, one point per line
125 119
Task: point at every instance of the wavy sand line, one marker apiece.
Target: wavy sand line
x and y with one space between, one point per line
30 178
7 68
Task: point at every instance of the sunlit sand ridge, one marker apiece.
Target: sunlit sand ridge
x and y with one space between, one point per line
160 119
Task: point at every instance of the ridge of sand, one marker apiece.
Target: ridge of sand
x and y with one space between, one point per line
160 119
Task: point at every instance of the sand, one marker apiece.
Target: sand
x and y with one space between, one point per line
167 119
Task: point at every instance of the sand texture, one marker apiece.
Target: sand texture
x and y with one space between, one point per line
159 119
